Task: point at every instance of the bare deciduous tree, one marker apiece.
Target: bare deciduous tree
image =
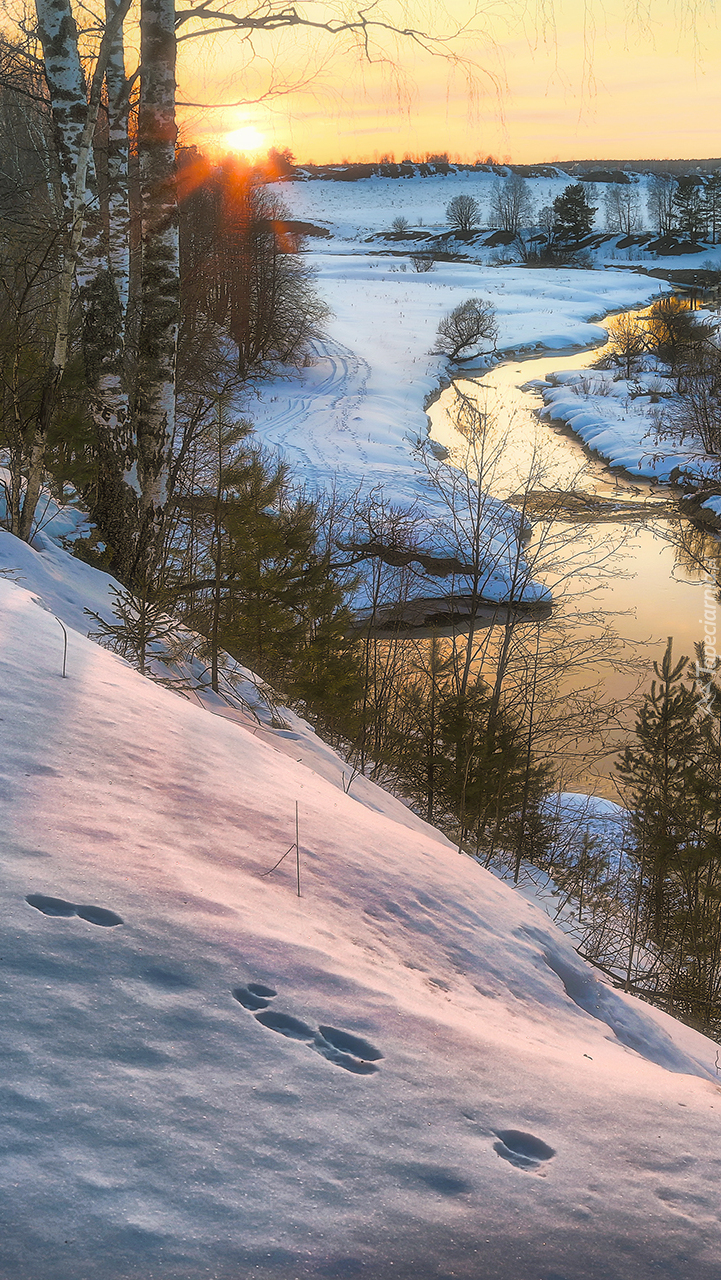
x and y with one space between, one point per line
661 189
463 213
467 325
621 208
626 342
511 204
422 262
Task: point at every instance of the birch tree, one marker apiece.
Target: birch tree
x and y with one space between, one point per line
511 204
134 425
661 188
621 208
85 265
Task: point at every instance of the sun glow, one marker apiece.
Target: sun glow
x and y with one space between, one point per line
249 140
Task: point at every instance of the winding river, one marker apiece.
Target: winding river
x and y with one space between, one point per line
622 585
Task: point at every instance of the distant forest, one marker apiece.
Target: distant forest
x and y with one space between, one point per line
585 170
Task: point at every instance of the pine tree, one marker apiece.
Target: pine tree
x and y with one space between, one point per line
488 776
658 772
712 196
572 214
413 752
690 208
263 588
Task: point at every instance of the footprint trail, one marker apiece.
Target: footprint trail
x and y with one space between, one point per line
342 1048
59 907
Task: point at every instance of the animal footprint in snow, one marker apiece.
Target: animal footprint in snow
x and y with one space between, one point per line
342 1048
254 996
347 1051
59 907
522 1149
285 1025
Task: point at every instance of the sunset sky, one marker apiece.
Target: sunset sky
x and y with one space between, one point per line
615 79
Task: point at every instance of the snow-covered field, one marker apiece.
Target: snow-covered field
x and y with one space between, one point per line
407 1071
355 417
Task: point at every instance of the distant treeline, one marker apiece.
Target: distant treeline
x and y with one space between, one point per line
586 170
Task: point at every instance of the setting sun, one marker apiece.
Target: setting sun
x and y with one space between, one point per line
248 139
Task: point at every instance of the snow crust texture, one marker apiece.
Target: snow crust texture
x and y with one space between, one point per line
407 1071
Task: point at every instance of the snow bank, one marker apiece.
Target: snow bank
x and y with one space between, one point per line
617 418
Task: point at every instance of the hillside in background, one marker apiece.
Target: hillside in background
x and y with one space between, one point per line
585 170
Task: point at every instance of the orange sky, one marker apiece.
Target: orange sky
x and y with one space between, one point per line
603 84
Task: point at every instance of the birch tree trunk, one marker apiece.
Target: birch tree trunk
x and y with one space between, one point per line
66 82
104 293
160 276
85 260
118 162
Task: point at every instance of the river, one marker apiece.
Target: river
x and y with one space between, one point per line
621 585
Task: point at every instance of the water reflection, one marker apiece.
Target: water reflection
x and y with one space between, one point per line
621 584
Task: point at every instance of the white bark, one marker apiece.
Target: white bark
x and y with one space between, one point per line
160 315
59 38
118 179
85 257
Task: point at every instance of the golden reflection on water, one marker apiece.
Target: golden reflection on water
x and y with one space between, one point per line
620 588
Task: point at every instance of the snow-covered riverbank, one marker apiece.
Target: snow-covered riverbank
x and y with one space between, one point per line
619 419
354 418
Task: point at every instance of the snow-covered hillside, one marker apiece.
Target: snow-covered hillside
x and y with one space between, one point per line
407 1071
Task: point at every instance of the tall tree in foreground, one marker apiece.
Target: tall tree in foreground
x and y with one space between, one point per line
134 418
85 273
672 777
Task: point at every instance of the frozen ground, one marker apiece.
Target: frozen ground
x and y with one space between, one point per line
407 1071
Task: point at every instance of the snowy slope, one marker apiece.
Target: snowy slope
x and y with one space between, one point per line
440 1087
